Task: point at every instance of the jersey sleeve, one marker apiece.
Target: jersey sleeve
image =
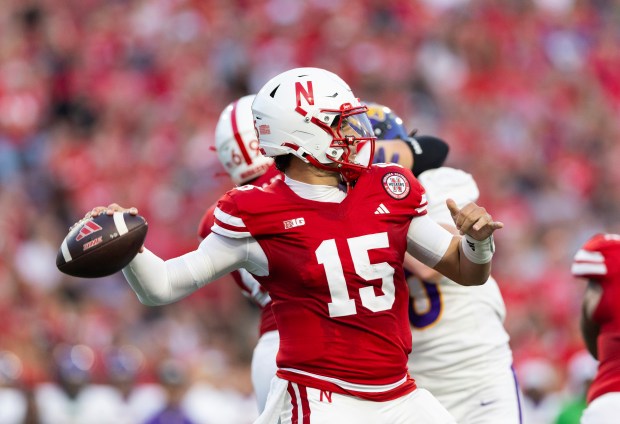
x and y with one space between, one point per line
598 258
589 264
422 202
228 219
403 189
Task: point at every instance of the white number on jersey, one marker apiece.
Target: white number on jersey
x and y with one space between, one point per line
341 304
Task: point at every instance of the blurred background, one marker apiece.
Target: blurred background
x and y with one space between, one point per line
116 101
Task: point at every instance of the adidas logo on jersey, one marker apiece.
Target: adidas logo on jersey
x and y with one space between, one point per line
381 209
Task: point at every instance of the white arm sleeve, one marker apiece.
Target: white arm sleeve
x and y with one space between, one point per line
158 282
427 241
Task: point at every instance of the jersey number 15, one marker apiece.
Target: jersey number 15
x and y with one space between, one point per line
341 304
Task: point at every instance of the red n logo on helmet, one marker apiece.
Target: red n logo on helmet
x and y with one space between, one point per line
306 92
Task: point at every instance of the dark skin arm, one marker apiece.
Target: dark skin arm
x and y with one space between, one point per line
473 220
590 329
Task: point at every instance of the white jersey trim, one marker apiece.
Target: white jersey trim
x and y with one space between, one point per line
584 268
228 219
229 233
589 256
362 388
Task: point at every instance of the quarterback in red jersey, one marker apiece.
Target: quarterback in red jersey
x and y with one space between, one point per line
236 145
598 261
331 259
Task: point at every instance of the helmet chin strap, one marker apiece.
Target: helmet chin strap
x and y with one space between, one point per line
349 171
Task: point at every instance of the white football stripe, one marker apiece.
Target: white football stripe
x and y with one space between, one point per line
65 251
585 268
119 221
589 256
228 219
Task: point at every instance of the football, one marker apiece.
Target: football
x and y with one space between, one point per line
101 245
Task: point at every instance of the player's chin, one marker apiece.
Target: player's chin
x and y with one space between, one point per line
330 170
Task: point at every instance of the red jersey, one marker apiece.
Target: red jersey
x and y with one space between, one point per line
599 259
336 278
249 286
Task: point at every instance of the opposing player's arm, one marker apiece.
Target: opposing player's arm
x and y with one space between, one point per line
589 328
464 259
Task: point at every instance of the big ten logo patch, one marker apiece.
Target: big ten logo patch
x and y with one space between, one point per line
292 223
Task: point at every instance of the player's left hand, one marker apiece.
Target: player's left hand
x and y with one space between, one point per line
473 220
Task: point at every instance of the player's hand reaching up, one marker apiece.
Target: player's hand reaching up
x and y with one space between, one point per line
473 220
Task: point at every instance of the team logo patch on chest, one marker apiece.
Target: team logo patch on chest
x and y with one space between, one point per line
396 185
292 223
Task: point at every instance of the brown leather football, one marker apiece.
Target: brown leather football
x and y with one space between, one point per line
101 245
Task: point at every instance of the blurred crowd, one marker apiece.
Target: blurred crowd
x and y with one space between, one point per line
116 101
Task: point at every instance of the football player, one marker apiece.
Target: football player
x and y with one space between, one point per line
460 347
330 259
598 261
237 149
236 145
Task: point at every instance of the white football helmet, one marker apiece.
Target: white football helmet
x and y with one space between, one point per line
313 114
236 143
